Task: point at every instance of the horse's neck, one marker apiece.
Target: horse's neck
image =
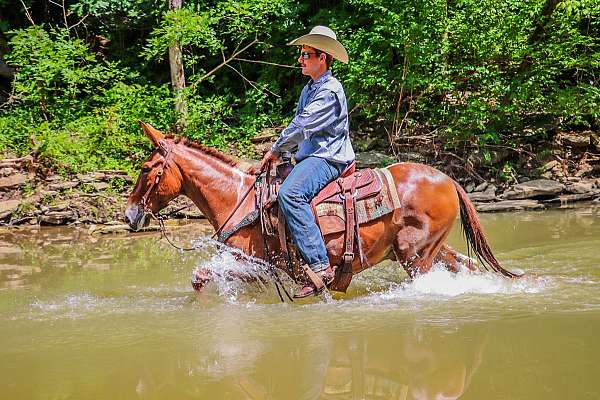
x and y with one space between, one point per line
214 186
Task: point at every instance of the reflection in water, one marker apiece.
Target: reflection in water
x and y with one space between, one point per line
418 362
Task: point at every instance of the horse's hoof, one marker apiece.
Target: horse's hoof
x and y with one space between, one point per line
200 277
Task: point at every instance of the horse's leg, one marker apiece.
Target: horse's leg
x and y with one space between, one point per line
407 247
202 276
417 248
453 260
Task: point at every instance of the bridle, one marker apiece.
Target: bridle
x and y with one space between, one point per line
167 152
144 202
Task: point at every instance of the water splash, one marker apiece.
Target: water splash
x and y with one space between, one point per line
234 274
226 262
440 282
70 306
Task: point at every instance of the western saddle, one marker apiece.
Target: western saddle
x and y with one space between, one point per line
346 190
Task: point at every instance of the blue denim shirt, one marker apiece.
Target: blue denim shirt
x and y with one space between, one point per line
320 127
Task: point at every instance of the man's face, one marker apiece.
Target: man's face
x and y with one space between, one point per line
315 65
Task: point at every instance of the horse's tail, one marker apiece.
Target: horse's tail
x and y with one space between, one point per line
475 236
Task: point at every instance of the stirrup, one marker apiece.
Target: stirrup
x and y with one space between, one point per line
317 285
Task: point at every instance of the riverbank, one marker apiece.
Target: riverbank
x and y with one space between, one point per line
33 195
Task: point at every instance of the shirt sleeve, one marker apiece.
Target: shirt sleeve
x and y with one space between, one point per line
316 116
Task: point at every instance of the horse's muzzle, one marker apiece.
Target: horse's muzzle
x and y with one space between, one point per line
136 217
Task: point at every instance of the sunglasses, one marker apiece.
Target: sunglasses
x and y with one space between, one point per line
306 55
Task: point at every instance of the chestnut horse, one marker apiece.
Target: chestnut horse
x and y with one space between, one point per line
413 234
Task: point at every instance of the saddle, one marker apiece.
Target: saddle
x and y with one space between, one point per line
345 191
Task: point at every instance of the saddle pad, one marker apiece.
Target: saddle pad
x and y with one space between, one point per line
331 215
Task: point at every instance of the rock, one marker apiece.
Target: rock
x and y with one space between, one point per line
190 213
57 217
571 198
488 195
91 177
58 207
63 185
412 157
510 205
12 181
7 207
581 187
583 169
595 140
481 187
110 174
373 159
6 171
550 165
100 186
470 187
524 179
533 189
54 178
575 140
365 144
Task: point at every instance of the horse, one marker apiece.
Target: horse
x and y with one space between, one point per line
413 234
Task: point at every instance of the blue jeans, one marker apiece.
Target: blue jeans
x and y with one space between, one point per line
305 181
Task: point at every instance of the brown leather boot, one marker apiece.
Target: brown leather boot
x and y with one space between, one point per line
310 288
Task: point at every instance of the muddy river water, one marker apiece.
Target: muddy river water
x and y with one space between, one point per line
87 317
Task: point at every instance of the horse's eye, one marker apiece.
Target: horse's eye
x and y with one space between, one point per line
145 169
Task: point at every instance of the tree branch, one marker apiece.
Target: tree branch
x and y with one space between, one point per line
224 63
80 21
266 62
27 13
253 84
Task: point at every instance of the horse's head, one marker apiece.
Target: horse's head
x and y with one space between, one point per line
158 183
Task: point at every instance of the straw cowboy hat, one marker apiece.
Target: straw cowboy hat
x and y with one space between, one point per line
324 39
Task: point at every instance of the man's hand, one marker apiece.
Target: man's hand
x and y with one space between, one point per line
268 157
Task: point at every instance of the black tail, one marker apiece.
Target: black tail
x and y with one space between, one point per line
475 236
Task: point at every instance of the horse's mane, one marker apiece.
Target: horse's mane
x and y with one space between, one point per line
205 149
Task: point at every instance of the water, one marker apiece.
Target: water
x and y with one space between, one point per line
115 317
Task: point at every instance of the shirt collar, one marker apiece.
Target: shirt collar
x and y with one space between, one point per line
324 76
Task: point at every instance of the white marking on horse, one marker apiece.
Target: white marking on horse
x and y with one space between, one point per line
241 185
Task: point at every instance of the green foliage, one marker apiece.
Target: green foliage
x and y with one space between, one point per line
185 27
478 72
55 70
75 110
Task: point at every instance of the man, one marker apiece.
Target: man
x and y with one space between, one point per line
320 132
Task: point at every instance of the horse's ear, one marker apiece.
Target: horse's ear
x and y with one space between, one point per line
153 134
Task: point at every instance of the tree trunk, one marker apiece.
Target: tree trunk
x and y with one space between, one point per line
178 75
540 27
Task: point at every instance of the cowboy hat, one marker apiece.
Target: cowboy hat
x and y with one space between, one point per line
324 39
